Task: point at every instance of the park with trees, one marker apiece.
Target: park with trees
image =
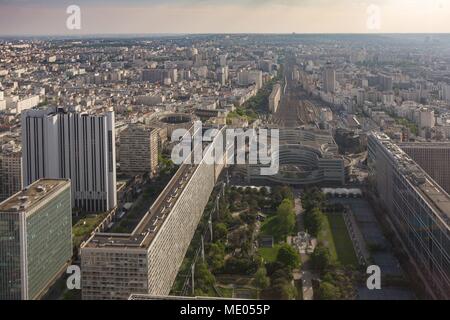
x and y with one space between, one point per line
234 264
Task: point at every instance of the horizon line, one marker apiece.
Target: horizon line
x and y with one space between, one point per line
217 33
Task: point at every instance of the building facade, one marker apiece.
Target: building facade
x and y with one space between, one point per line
305 157
10 173
274 98
419 210
35 239
329 79
81 147
434 158
147 260
138 150
247 77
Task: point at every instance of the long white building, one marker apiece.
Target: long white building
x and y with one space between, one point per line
147 260
274 98
58 144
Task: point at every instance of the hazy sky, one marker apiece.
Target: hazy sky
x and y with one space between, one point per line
48 17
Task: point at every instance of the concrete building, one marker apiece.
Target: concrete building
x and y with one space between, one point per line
147 260
81 147
138 150
10 172
434 158
386 82
426 118
274 98
248 77
329 79
2 101
419 210
159 75
446 92
36 239
306 157
18 105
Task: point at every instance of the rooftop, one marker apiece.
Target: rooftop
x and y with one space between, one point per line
150 224
436 197
32 195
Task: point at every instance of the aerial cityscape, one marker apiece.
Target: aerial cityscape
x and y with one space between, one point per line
178 164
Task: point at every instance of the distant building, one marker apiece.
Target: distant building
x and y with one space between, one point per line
248 77
386 82
159 75
73 145
274 98
329 79
35 239
138 150
426 118
10 172
446 92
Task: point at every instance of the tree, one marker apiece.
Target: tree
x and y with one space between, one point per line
286 217
248 217
220 232
216 256
288 256
328 291
261 280
281 193
312 198
244 266
204 279
314 221
263 191
321 258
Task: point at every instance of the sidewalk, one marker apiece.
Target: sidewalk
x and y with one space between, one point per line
306 274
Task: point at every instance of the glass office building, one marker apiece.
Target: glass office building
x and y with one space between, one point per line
418 208
35 239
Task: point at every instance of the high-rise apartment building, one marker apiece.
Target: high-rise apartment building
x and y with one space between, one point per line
159 75
247 77
446 92
148 259
329 79
78 146
386 82
419 210
434 158
10 171
35 239
138 150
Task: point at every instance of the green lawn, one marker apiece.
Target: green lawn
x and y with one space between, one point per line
85 226
269 254
336 237
270 228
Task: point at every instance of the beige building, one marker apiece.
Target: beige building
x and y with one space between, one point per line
147 260
138 150
274 98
